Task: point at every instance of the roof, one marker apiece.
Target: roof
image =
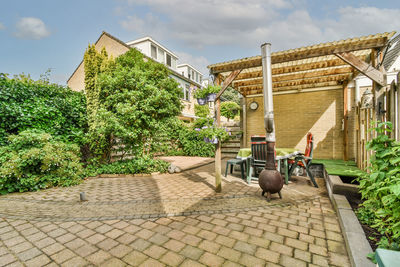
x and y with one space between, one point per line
306 67
148 38
110 36
127 46
186 64
392 53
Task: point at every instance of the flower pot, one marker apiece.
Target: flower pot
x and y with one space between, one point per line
211 97
202 101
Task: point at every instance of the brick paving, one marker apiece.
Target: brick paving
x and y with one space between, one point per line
171 220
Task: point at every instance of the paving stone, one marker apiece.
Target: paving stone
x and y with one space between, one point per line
53 248
245 247
229 254
261 242
281 249
140 244
40 260
75 262
85 250
158 239
107 244
209 246
171 258
120 251
155 251
336 247
291 262
267 255
273 237
174 245
151 263
98 257
226 241
191 263
302 255
62 256
135 258
191 252
113 262
211 259
249 260
296 243
318 250
7 259
338 259
288 233
319 260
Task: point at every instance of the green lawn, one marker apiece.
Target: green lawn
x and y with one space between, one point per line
339 167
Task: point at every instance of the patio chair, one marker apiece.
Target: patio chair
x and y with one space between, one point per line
232 163
304 160
258 157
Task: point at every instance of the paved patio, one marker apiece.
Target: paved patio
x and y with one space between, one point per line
171 220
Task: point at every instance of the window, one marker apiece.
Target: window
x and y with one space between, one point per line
169 63
187 92
193 75
197 77
161 56
153 52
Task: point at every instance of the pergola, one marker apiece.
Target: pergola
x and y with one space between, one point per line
300 69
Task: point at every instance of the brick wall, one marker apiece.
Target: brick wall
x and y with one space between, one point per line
320 112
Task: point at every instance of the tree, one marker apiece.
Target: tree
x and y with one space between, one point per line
231 94
136 98
201 111
229 109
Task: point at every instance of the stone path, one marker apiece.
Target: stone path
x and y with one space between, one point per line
172 220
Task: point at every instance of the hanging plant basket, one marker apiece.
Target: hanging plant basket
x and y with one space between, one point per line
211 97
202 101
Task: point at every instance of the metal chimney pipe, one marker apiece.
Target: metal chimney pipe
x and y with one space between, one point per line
268 105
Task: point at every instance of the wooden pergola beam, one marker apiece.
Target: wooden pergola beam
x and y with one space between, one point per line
297 76
302 53
257 89
363 67
298 82
227 82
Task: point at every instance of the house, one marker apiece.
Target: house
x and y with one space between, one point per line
311 92
186 75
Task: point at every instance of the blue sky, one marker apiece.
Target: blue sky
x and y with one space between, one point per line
42 34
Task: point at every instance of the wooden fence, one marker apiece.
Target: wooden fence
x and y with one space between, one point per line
389 110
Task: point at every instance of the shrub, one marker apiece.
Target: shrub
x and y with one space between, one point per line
201 111
229 109
201 122
27 104
130 166
33 160
193 145
380 188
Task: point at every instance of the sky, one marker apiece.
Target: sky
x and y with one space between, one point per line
51 34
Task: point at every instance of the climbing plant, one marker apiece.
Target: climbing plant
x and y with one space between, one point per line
229 109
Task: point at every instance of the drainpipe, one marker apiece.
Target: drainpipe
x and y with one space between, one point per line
268 106
357 91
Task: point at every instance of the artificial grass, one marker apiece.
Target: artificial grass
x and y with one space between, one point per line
339 167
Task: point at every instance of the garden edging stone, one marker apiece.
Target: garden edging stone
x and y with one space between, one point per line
357 244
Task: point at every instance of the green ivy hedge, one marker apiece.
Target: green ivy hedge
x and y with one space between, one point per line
27 104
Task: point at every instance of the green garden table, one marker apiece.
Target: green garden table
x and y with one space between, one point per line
282 156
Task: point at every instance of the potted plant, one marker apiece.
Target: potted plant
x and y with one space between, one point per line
201 95
212 91
213 134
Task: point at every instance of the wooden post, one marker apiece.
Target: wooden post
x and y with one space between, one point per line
398 106
244 122
345 123
218 177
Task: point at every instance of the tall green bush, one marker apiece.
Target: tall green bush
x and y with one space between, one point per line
34 160
380 187
26 104
136 98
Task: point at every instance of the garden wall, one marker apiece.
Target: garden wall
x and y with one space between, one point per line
319 112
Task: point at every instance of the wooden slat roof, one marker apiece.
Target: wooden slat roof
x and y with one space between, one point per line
303 67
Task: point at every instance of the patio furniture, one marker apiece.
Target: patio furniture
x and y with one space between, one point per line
304 160
258 156
240 162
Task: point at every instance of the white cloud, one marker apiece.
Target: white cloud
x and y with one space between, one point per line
31 28
2 27
199 62
284 23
